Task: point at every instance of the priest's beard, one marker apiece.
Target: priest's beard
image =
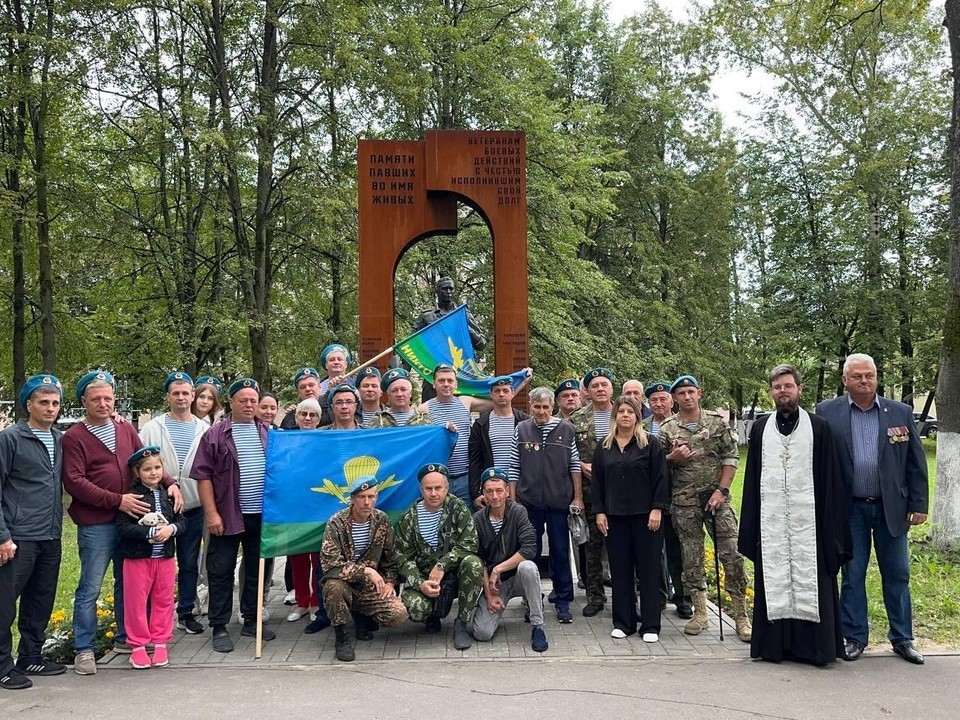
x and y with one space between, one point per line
787 406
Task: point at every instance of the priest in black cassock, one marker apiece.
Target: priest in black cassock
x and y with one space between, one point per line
794 526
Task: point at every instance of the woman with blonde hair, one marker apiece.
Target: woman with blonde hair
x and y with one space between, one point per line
630 493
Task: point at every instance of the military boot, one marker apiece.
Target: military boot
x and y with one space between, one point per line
744 628
700 621
344 645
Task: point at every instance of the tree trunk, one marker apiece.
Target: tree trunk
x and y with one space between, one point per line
904 317
945 525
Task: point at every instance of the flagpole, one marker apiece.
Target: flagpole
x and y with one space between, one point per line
259 646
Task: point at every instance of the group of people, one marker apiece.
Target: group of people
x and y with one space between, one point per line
179 501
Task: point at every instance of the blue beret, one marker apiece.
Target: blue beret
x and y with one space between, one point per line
305 372
93 376
209 380
176 376
501 380
658 386
370 371
242 384
333 347
568 384
392 375
684 381
595 373
145 451
494 473
444 366
342 388
362 483
432 468
38 381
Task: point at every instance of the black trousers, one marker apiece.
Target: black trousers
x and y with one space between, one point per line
634 552
32 578
674 564
221 562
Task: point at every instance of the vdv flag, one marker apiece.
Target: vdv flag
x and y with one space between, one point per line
447 340
308 473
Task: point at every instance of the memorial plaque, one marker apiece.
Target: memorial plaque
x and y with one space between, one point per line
409 190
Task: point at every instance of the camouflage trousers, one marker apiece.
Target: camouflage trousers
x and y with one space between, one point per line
593 572
468 585
341 597
689 522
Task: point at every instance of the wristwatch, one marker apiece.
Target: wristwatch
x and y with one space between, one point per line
724 491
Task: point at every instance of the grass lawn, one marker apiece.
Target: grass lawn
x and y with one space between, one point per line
935 578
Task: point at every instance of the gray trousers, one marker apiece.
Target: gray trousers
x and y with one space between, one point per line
525 582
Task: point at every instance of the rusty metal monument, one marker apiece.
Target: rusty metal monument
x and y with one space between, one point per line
409 190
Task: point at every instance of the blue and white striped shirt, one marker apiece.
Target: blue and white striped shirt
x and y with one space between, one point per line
402 418
252 461
360 533
456 412
865 431
182 435
46 437
107 434
428 523
601 424
501 439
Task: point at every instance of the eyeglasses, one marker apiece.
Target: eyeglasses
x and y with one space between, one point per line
308 414
343 403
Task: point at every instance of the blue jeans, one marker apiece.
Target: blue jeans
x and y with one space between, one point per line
188 560
460 486
558 535
893 559
97 546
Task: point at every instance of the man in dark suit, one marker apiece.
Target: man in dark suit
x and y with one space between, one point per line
885 471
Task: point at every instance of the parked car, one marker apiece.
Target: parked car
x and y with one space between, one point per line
927 428
65 423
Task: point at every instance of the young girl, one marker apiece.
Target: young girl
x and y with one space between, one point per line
149 569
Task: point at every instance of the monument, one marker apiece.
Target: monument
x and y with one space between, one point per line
409 190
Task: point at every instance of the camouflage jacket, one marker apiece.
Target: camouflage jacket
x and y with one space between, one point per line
384 419
586 435
713 445
648 422
336 553
458 538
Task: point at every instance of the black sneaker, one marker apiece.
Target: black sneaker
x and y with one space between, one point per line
221 640
189 623
538 640
40 667
15 680
320 622
433 625
250 630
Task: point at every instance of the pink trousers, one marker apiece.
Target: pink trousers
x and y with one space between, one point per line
150 581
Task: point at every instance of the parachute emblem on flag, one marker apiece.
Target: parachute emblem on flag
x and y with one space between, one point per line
362 465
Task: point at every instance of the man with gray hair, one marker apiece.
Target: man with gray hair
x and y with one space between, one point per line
545 479
885 471
795 528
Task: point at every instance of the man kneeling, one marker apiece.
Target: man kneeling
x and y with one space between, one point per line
508 545
359 562
437 546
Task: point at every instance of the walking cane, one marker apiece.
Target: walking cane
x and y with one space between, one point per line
716 569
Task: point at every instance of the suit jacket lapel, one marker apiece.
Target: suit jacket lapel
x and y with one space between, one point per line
845 425
883 423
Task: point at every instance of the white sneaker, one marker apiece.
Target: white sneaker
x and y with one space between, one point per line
650 637
85 663
618 634
265 615
290 598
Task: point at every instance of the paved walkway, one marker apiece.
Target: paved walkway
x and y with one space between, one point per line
584 638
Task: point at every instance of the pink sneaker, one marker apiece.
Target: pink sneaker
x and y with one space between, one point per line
160 658
139 658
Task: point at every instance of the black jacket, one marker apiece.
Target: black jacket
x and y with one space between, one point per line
516 536
31 491
134 537
480 451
